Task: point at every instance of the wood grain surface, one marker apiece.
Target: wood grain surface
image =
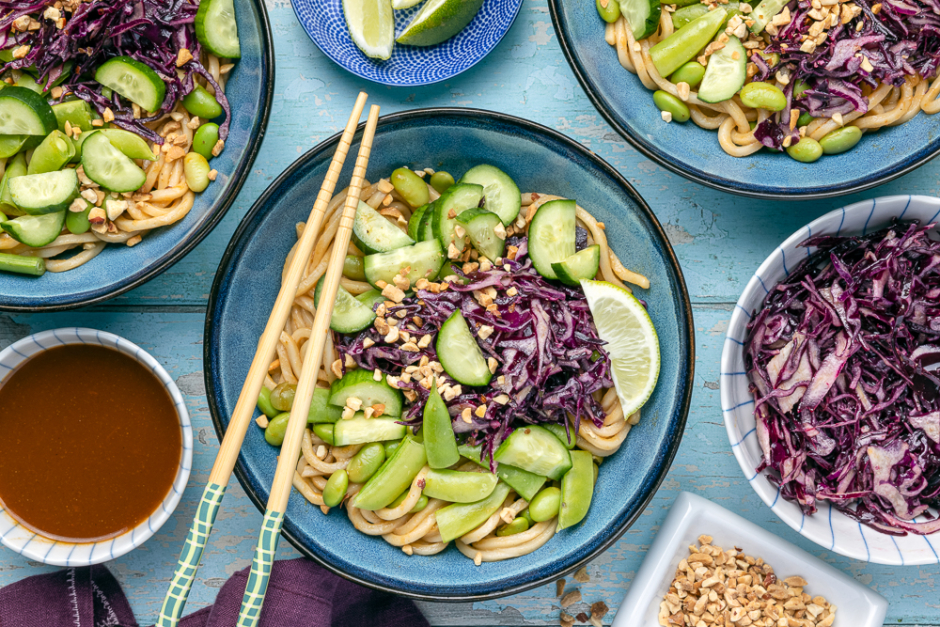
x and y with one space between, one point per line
720 240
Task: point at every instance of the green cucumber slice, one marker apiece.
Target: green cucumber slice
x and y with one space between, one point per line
77 113
537 450
424 258
454 201
24 112
393 477
360 384
349 314
500 191
459 519
217 29
50 192
526 484
362 430
320 409
373 233
109 167
765 11
459 353
426 228
459 487
642 16
439 438
414 224
725 73
480 225
134 80
35 231
552 235
371 298
11 144
581 265
569 438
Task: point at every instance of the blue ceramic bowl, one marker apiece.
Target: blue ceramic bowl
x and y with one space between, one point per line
694 152
409 65
119 268
539 159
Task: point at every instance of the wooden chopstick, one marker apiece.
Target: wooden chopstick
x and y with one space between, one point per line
190 556
281 487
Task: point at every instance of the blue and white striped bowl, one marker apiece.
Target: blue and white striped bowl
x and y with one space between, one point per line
829 528
35 547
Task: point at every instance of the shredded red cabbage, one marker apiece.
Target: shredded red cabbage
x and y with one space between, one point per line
842 362
900 41
150 31
550 357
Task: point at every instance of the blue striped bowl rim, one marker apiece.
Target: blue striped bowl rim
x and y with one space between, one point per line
829 528
56 552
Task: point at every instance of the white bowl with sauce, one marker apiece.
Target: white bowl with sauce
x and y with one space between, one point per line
16 535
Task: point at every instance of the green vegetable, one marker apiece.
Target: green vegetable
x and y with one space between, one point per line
758 95
362 430
807 150
373 233
196 170
264 403
282 396
52 154
411 187
320 408
360 384
552 235
200 102
535 449
683 45
205 139
459 519
15 168
459 487
577 486
77 221
418 506
391 447
217 29
276 429
366 462
667 102
459 353
690 73
805 119
609 10
11 144
48 192
134 80
324 432
545 504
840 140
642 16
350 315
525 483
77 113
500 192
24 112
439 438
335 488
725 74
441 181
35 266
393 477
518 525
353 268
569 438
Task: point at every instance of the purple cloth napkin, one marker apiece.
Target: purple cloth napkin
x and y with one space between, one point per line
300 594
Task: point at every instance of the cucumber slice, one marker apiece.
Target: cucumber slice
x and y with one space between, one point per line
320 409
373 233
37 194
642 16
453 202
371 298
501 192
109 167
577 488
349 314
725 73
362 430
414 224
11 144
552 235
459 519
569 438
426 229
77 113
393 477
526 484
134 80
765 11
360 384
480 225
424 258
439 438
217 29
581 265
537 450
35 231
460 354
24 112
459 487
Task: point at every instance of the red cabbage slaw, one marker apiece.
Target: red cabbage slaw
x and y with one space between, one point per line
887 42
841 361
550 357
150 31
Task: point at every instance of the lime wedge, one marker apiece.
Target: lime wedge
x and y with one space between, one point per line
438 21
398 5
622 322
372 26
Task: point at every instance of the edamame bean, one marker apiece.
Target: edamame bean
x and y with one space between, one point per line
667 102
205 139
421 503
200 102
264 403
609 10
324 432
282 397
804 119
335 488
390 447
441 181
196 170
691 73
276 429
807 150
770 58
518 525
525 514
410 186
841 140
366 462
763 96
353 267
77 222
799 87
544 505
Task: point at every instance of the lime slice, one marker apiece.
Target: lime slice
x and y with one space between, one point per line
371 25
438 21
398 5
622 322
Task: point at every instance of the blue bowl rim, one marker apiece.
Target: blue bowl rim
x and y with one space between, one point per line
239 176
634 139
339 64
436 112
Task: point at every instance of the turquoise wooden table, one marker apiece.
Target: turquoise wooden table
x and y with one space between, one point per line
720 240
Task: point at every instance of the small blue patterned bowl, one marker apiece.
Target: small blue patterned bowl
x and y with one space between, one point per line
119 268
541 160
409 65
18 538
